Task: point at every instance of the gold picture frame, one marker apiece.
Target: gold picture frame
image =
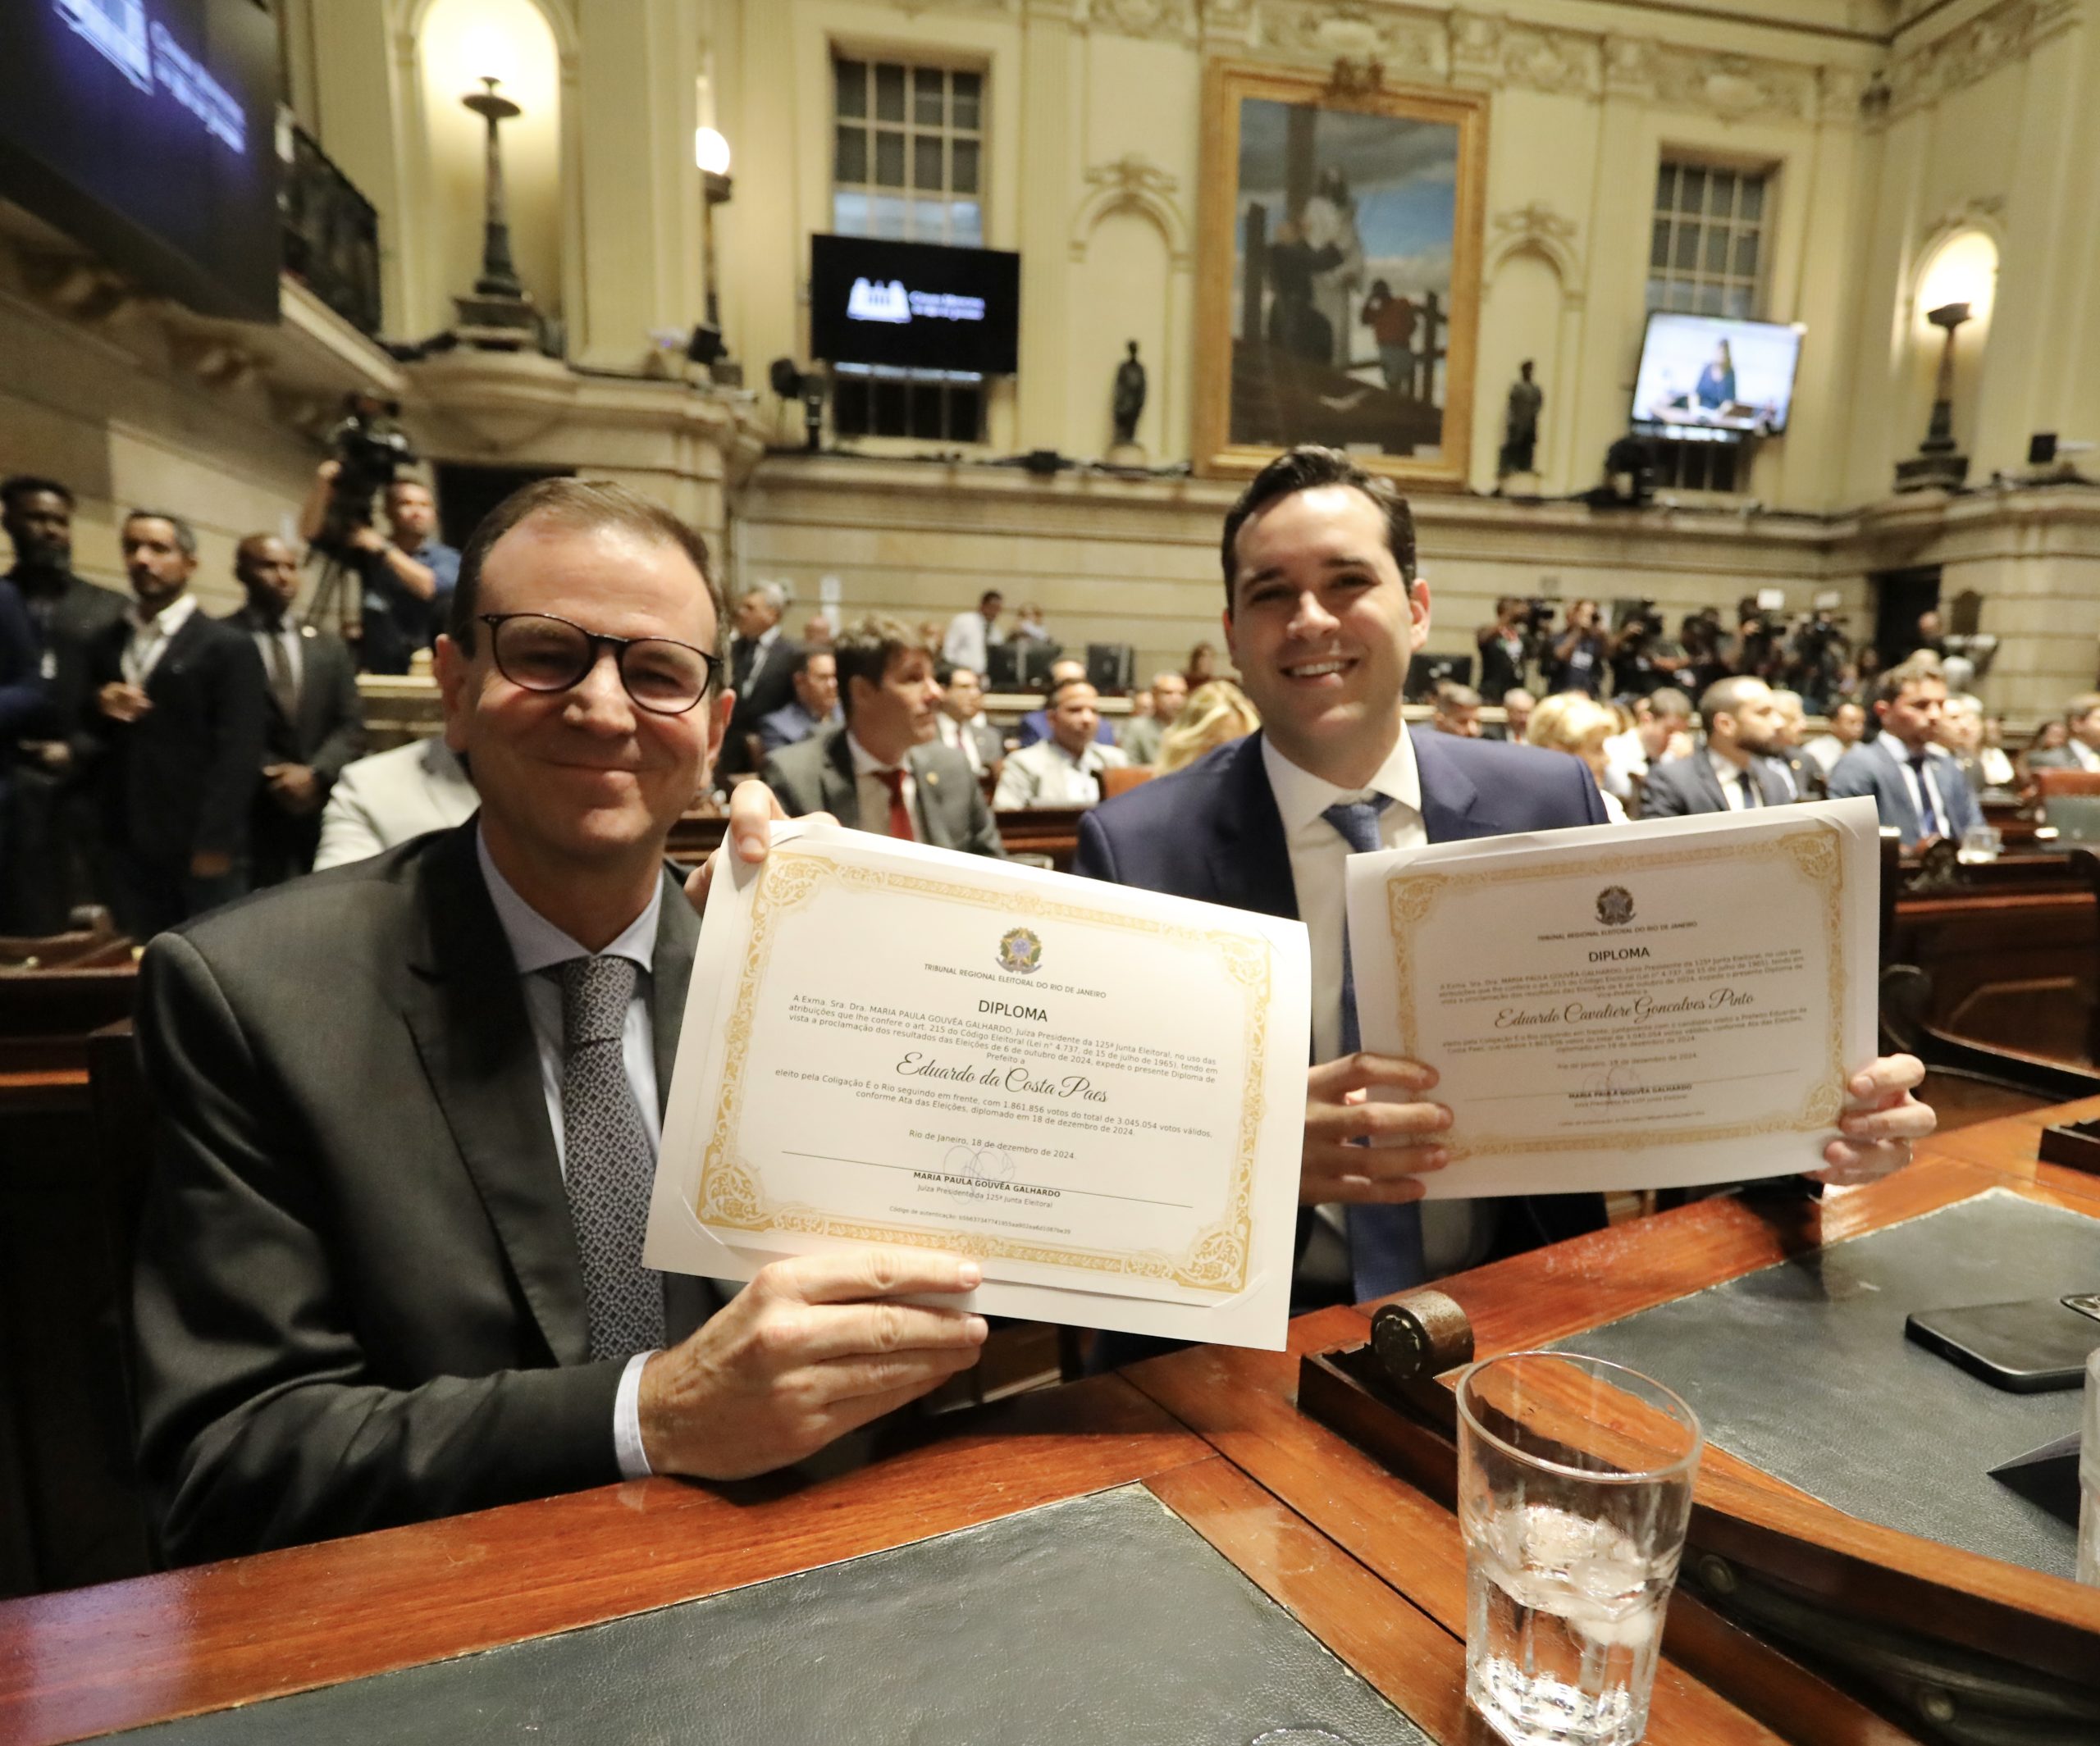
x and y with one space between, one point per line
1320 180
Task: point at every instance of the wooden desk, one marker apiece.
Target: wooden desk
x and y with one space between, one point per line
1243 1402
1370 1564
99 1659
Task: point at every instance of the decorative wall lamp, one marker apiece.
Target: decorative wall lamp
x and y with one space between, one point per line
710 152
499 315
1936 465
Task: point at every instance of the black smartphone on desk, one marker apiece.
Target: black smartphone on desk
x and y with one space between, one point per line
2028 1348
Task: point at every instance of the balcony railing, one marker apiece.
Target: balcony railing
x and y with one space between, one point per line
330 231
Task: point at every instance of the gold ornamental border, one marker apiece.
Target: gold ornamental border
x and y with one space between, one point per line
1814 851
729 1194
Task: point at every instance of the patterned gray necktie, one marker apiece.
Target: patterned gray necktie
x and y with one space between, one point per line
1385 1241
609 1162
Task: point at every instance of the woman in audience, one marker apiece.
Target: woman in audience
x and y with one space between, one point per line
2051 736
1215 714
1202 666
1569 722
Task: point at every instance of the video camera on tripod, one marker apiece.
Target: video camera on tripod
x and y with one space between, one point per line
370 451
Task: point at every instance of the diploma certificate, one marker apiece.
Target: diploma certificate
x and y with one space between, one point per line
1098 1093
1627 1006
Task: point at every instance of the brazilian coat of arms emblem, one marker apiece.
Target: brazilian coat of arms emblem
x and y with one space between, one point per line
1020 951
1615 906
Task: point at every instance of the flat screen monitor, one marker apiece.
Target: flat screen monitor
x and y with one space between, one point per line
146 129
1707 377
914 306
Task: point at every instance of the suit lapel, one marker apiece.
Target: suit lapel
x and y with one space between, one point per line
670 978
1915 829
1710 780
1449 797
935 790
181 648
466 1010
1253 862
841 795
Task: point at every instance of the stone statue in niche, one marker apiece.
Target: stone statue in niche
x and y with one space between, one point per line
1520 432
1129 403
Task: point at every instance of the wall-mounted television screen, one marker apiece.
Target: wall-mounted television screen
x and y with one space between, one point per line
146 129
1705 376
914 306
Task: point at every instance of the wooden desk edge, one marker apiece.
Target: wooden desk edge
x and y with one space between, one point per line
93 1660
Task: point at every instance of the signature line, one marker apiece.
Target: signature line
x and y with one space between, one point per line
1135 1200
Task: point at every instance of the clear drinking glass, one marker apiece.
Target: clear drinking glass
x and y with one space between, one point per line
1981 842
1574 1492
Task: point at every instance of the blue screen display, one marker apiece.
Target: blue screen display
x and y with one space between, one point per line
146 129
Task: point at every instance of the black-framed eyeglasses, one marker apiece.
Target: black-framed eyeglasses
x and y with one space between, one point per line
539 652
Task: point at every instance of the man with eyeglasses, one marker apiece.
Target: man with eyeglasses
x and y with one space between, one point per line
390 1265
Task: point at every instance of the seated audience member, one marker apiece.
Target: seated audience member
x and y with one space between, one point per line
1028 625
1915 786
884 769
1848 721
817 632
391 798
313 719
390 1267
1806 779
1216 714
1569 722
1516 706
2051 736
1991 756
1035 724
970 635
1323 614
1141 736
1202 666
762 666
51 813
1064 770
1456 711
2079 746
1662 721
1735 771
406 575
177 721
962 723
814 705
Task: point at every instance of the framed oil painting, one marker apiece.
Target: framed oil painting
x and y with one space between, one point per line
1338 272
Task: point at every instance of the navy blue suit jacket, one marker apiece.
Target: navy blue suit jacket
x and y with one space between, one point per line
1212 832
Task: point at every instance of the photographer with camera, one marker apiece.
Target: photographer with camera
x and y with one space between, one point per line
1577 660
403 581
1644 659
1504 647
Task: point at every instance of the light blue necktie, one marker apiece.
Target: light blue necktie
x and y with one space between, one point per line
1385 1242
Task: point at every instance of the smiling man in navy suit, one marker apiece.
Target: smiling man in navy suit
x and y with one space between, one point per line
1323 612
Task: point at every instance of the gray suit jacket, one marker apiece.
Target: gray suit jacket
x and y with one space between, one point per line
1875 767
358 1297
1679 788
816 776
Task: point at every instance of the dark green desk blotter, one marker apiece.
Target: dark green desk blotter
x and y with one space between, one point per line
1802 1368
1105 1618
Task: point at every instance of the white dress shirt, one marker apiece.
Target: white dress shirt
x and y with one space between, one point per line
1933 817
2088 759
538 946
151 636
874 791
968 641
1045 774
961 736
1732 779
1455 1233
286 637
